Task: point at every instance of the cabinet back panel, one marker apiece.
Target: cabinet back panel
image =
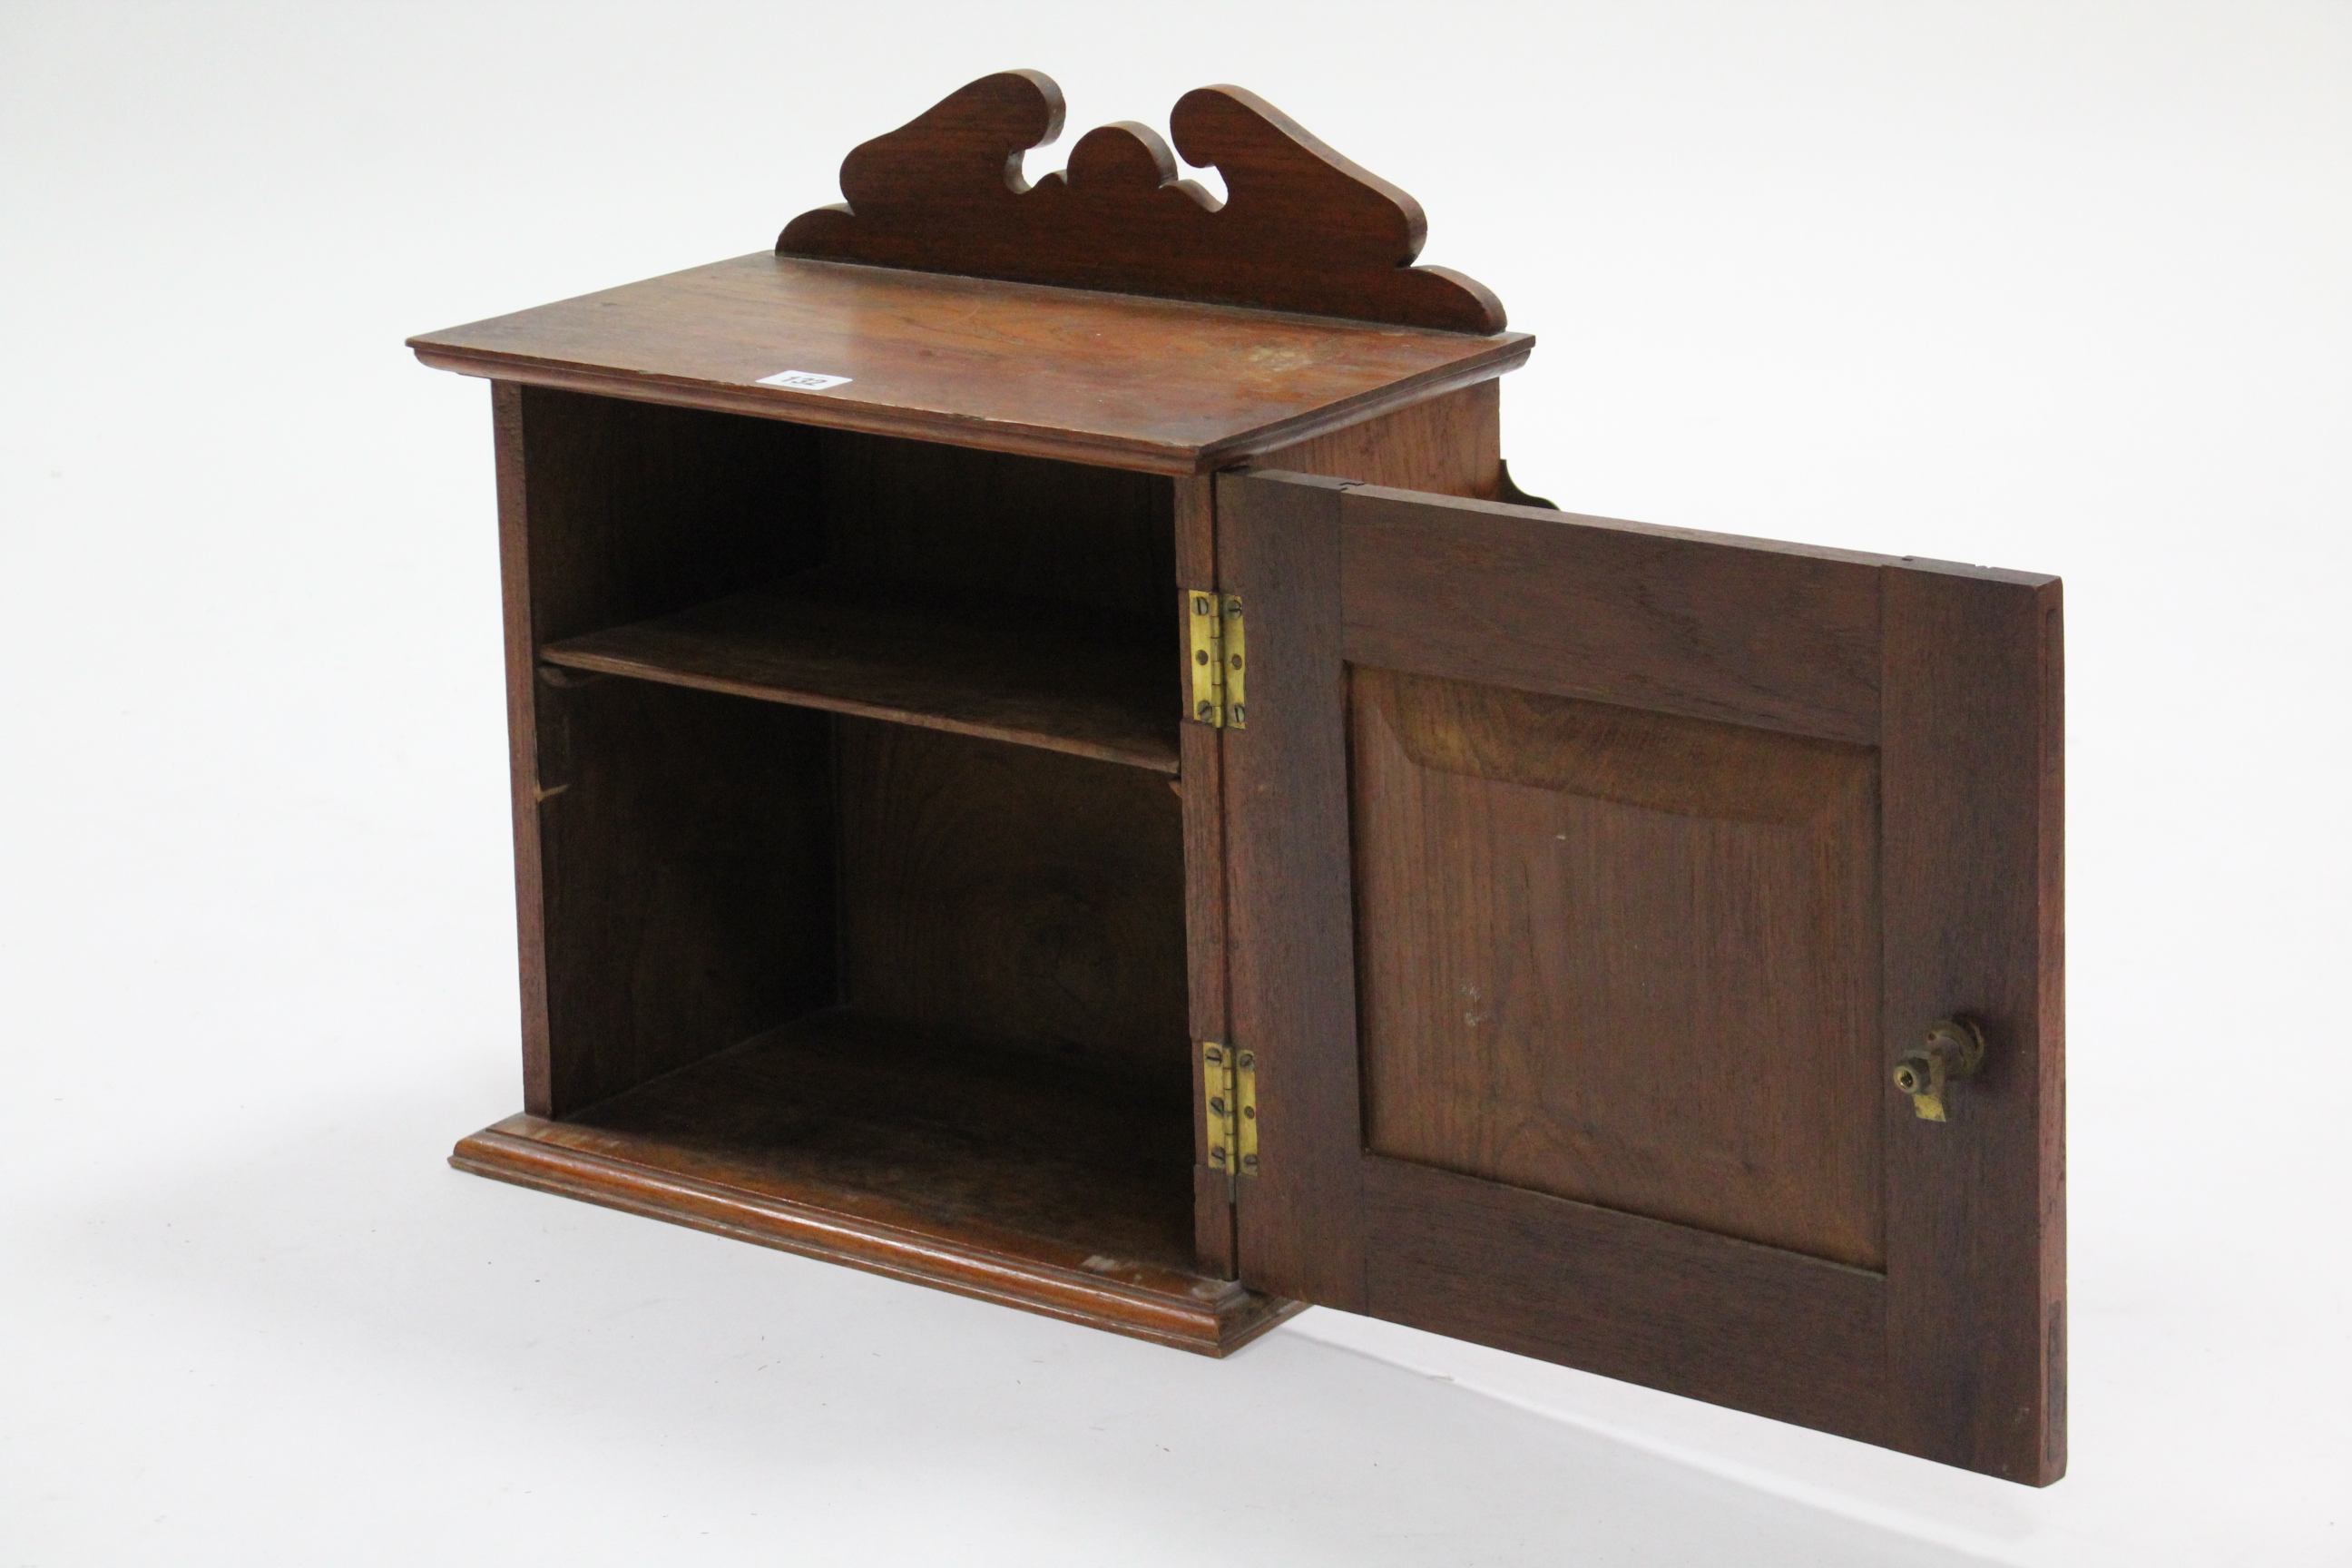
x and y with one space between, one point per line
1621 957
990 522
1016 892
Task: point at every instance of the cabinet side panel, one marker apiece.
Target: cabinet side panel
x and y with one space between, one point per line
680 844
688 878
1450 445
522 740
637 511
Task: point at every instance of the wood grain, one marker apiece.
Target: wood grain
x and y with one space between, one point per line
688 883
961 1163
1793 1338
1450 445
638 511
1685 832
1620 957
1203 791
1679 622
1016 893
1289 937
674 854
964 1125
1284 567
1302 228
1974 856
981 523
520 649
1006 668
1161 386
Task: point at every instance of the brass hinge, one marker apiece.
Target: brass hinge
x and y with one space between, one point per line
1229 1078
1214 624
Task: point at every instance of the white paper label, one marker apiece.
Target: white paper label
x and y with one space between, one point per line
803 380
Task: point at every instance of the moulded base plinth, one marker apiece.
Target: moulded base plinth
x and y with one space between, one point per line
648 1176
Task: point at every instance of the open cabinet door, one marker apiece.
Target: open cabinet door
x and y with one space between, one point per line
1591 886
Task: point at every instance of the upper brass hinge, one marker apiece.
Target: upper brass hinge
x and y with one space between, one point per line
1219 659
1229 1079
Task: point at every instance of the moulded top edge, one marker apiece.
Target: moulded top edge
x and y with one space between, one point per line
1126 381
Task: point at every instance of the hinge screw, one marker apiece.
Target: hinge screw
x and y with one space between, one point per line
1237 714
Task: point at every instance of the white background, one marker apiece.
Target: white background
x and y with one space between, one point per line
2059 286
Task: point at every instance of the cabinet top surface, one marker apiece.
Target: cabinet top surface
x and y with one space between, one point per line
1119 380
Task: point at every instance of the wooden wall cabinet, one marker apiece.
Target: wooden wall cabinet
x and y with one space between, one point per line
1051 762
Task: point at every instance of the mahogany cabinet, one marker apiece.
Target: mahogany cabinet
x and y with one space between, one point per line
1051 762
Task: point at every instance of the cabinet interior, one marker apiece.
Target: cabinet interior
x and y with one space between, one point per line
863 857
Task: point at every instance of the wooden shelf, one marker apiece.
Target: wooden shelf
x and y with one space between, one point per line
1034 673
997 1170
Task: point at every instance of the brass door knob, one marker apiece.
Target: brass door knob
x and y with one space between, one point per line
1954 1049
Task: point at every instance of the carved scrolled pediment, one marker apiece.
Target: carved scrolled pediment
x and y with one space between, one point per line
1302 228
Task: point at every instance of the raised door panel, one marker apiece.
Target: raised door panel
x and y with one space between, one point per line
1620 957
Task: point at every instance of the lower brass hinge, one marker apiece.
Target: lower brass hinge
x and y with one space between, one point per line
1228 1077
1219 661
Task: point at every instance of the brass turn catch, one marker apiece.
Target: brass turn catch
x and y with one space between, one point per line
1954 1049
